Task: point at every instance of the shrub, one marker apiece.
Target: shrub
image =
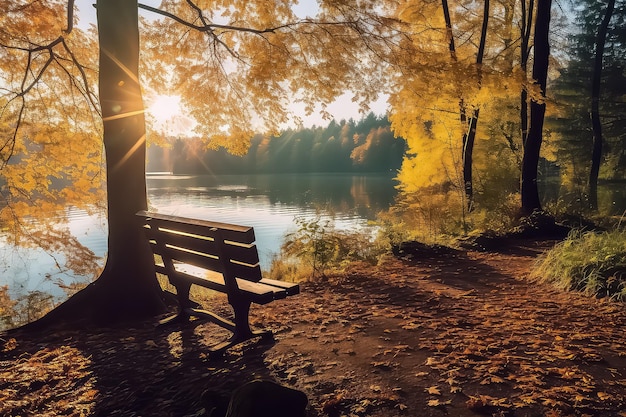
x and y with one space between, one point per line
317 246
594 263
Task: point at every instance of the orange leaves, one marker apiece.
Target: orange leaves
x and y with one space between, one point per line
492 379
11 343
481 402
438 403
434 390
49 374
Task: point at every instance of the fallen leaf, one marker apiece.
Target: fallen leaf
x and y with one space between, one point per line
437 403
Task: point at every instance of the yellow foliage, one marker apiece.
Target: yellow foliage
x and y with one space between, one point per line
236 82
441 88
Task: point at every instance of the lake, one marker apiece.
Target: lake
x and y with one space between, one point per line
269 203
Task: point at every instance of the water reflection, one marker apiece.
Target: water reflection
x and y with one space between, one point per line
365 195
269 203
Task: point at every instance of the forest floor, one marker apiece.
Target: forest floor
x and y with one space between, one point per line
452 333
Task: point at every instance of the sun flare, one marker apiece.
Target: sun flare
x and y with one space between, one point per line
165 107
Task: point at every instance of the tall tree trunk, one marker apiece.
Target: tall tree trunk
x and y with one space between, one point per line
449 34
530 160
527 23
127 288
470 136
129 275
468 153
452 49
596 125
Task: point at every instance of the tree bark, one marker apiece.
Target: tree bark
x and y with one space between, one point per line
127 289
532 148
468 153
470 136
596 125
527 22
129 275
449 34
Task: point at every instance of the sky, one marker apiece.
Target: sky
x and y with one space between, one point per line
342 109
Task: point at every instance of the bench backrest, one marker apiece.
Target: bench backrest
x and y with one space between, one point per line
225 248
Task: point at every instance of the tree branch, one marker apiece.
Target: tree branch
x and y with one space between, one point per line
212 26
70 17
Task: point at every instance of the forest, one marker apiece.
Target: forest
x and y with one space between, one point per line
348 146
500 302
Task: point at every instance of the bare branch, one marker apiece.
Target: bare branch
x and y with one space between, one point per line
91 97
70 17
212 26
199 11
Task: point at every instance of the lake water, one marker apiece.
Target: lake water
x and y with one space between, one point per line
269 203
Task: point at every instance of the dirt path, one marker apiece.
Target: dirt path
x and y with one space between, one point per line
454 334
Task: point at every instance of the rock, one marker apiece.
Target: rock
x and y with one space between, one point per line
266 399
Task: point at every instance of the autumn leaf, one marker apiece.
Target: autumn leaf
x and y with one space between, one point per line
492 379
401 407
438 403
434 390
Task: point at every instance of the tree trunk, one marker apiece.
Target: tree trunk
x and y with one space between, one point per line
449 34
596 125
527 22
468 154
530 160
470 136
127 289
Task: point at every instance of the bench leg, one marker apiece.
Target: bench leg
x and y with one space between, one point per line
182 294
240 326
242 330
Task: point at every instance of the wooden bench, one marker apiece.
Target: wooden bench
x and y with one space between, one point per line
219 256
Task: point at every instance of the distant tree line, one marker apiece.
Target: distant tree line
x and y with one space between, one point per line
348 146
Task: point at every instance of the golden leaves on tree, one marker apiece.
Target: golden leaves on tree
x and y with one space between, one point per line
50 134
240 76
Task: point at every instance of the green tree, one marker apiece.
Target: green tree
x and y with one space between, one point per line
596 124
572 128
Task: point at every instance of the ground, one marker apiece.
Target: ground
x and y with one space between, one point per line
449 333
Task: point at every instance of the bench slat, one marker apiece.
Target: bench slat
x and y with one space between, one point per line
233 232
257 292
241 253
176 254
249 272
290 288
215 280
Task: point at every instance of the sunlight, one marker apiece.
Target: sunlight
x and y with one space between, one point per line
168 115
165 107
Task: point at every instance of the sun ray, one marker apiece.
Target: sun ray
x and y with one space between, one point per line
165 107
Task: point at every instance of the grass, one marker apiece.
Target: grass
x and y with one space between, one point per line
594 263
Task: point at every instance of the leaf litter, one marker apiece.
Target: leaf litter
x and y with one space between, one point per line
463 334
